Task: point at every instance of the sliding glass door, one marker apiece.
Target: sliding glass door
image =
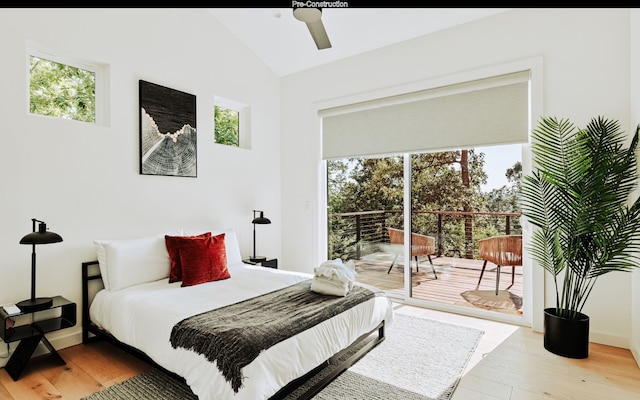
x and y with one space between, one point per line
457 199
412 192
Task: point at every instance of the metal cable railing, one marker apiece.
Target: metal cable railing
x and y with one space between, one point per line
356 234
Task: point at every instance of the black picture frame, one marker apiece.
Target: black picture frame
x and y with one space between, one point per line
168 136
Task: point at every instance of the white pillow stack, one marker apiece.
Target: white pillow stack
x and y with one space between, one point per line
127 262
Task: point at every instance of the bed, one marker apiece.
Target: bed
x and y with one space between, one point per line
131 298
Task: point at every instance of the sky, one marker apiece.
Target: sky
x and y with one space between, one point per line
497 160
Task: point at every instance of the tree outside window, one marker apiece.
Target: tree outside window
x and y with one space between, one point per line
61 90
227 126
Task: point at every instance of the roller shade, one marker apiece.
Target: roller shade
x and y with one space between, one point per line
483 112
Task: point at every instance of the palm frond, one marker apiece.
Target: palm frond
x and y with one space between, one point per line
576 197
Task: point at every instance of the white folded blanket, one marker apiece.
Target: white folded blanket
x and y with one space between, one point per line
324 285
334 277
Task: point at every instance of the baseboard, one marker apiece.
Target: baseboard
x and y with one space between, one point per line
635 350
609 340
58 342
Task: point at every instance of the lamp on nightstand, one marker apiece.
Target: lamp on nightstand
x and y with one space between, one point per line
262 221
41 236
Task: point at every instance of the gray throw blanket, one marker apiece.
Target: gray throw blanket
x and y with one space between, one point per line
234 335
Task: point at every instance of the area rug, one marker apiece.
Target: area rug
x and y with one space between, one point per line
488 299
420 359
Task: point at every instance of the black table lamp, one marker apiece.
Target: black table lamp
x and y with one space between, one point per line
41 236
259 220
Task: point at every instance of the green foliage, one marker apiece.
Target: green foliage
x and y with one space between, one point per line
504 199
377 184
577 196
226 126
60 90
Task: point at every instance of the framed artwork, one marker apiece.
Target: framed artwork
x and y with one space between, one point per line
168 140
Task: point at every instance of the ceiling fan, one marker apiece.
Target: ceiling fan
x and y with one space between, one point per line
313 18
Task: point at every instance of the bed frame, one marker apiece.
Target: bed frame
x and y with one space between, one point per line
92 282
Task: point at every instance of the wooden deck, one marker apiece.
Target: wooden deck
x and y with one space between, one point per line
456 277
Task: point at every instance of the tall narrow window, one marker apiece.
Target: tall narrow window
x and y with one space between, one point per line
227 126
64 88
232 123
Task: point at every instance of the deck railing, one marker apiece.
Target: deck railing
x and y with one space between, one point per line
354 234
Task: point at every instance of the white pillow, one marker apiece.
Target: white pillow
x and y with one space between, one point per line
230 242
129 262
232 247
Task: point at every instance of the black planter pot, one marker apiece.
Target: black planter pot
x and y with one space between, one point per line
566 337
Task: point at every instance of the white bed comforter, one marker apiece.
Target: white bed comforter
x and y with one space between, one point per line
143 317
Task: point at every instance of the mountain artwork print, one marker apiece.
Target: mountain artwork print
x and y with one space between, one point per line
168 140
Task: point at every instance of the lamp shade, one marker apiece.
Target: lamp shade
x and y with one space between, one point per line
42 236
261 219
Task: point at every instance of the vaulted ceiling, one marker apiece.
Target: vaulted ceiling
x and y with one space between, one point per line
285 44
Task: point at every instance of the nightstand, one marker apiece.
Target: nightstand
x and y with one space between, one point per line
61 315
269 262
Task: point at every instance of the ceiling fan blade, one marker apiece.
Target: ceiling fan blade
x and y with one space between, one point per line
313 18
319 34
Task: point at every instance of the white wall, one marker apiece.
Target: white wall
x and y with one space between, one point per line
585 56
84 180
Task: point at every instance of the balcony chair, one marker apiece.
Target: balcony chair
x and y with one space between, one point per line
503 250
421 245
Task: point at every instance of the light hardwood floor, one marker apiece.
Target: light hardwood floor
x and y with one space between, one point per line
509 363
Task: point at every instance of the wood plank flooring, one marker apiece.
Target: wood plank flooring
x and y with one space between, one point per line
509 363
89 368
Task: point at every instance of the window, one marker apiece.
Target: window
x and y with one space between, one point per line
418 162
63 88
227 126
232 122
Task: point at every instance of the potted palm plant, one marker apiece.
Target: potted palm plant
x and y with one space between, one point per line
578 198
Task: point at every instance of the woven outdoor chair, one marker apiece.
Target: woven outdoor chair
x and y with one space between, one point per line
503 250
421 245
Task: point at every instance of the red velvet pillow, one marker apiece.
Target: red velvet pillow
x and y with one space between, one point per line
204 260
173 247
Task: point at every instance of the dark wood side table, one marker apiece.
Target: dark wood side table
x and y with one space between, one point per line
269 262
61 315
